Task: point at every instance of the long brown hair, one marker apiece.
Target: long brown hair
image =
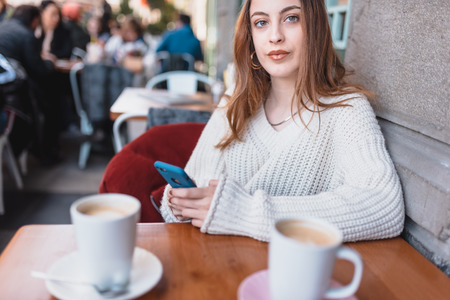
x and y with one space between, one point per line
321 73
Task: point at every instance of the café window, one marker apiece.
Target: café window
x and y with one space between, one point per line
339 19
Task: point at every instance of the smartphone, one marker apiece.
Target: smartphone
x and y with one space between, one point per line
175 176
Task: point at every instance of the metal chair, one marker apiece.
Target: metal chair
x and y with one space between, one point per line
157 116
181 82
78 53
174 62
7 155
186 82
101 85
339 19
86 127
118 138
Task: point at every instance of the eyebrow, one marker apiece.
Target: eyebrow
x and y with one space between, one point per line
286 9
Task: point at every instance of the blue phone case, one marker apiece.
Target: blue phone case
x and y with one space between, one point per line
175 176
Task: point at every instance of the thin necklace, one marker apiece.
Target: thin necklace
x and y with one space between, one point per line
285 120
288 118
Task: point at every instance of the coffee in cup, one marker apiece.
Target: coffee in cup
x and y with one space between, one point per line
105 232
302 253
108 211
307 232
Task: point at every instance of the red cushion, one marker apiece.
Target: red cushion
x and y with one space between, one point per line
131 171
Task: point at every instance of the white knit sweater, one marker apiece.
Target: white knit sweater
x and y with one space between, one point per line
341 173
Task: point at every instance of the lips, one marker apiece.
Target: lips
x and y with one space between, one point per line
278 54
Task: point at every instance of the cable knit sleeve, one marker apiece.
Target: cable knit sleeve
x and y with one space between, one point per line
206 161
364 198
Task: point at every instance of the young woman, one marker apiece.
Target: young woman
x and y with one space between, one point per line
130 43
55 38
293 139
55 93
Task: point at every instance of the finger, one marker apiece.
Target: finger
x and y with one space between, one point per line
177 213
184 203
199 204
183 219
193 193
213 182
197 223
194 214
175 210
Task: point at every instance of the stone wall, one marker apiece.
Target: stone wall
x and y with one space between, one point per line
227 13
400 49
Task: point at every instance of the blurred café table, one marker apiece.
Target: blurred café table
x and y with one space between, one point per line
139 100
202 266
64 65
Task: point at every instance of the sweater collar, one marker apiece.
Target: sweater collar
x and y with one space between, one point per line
259 126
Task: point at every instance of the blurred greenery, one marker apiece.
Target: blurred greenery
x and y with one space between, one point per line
157 4
168 14
124 8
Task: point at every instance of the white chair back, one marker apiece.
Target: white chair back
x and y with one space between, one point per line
186 82
182 83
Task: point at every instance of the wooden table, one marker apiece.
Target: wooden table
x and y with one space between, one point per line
201 266
139 100
64 65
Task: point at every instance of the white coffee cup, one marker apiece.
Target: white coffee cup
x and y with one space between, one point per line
105 232
302 253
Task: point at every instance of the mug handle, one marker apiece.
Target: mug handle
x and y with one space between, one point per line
348 290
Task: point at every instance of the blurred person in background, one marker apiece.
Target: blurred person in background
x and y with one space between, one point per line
55 38
55 43
98 38
71 13
129 49
96 31
113 27
5 10
130 42
182 39
106 18
18 42
19 45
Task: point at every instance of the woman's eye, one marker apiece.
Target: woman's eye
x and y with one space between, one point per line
260 23
292 19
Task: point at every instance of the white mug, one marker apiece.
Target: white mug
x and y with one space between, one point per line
302 253
105 232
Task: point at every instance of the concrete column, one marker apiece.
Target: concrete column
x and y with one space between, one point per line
227 13
400 49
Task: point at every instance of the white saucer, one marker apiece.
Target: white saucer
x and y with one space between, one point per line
145 274
256 287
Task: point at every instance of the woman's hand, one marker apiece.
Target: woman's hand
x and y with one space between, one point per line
49 56
192 203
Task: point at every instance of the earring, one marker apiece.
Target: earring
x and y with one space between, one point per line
254 66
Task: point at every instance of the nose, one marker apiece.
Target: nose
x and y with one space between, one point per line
276 34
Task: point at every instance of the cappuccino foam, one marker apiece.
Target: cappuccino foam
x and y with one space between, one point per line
308 233
106 211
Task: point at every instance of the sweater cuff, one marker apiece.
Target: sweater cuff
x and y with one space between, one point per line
229 216
166 211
